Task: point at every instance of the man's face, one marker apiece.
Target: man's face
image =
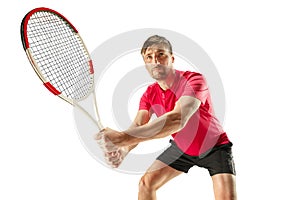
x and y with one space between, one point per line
159 62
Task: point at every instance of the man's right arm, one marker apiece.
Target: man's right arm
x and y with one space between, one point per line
142 117
115 158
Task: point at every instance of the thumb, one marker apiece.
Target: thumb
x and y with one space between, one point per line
99 135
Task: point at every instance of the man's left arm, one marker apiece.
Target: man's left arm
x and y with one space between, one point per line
165 125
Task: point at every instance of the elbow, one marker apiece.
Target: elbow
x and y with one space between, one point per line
174 121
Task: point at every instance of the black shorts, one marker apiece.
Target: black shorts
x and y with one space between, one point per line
217 160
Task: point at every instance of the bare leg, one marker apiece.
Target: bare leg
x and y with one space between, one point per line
157 175
224 187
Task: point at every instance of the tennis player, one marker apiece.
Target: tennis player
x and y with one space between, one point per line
182 104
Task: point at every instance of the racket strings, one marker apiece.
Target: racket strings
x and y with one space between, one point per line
60 54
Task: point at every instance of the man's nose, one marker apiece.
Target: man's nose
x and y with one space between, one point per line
155 60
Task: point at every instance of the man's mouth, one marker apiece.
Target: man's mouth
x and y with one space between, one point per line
156 67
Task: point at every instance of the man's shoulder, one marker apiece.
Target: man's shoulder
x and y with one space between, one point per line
152 86
189 74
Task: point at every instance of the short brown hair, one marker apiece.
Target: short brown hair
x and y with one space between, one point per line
154 40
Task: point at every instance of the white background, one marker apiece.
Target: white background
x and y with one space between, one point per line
255 46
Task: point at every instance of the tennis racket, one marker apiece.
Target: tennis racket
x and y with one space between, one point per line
59 57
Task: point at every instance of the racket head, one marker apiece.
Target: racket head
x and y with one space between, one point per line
57 54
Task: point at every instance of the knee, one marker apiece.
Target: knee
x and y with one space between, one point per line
147 184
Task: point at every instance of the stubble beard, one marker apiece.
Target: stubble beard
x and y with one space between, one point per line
160 73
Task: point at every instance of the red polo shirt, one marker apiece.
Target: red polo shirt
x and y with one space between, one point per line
203 130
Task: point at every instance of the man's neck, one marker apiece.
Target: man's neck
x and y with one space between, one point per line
168 82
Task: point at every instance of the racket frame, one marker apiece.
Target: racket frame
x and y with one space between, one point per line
46 82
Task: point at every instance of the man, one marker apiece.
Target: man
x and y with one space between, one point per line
182 103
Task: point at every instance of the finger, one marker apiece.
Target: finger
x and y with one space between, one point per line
117 163
111 155
101 143
110 148
114 162
114 153
113 158
99 135
106 144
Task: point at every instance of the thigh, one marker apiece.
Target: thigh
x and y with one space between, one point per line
219 161
175 158
158 174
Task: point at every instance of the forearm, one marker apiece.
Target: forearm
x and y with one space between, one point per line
132 146
136 123
163 126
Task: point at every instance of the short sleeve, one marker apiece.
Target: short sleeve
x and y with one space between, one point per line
144 102
196 86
